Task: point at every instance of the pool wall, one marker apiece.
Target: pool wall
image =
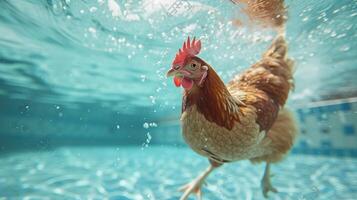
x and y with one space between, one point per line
326 127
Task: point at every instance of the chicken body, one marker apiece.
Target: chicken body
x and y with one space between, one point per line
218 143
237 125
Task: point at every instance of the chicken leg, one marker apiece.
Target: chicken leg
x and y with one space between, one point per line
195 185
266 183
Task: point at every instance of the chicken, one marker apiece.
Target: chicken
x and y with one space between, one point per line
243 120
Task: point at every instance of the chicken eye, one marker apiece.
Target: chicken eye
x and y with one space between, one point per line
193 66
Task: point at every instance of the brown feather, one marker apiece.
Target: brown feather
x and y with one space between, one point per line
280 138
266 84
267 12
213 100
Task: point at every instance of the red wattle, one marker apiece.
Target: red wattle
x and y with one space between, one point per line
177 81
187 83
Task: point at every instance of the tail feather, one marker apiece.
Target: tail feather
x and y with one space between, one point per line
273 74
270 13
278 49
278 52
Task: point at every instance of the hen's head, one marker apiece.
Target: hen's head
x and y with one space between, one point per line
188 70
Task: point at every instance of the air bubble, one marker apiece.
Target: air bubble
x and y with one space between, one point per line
153 99
143 78
153 124
345 48
93 9
147 142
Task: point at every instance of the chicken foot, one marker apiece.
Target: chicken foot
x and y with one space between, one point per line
195 185
266 183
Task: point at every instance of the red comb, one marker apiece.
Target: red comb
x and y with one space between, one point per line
189 49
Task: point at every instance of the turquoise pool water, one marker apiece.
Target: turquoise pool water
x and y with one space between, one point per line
124 173
114 53
86 111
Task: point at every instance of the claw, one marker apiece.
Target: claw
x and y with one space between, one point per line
193 187
199 195
185 187
267 188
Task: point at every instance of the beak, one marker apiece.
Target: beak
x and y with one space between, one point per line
177 76
178 72
171 72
